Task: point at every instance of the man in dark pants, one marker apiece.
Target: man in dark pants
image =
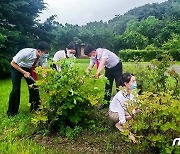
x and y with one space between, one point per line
113 67
23 65
112 74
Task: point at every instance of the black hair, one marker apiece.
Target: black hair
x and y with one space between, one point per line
43 46
71 46
88 49
126 77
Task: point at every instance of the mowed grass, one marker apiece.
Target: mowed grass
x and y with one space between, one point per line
16 133
178 63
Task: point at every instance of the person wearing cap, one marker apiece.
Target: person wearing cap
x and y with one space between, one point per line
69 52
103 58
23 65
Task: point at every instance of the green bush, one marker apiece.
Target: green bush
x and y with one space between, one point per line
173 46
4 67
146 55
139 55
69 97
157 125
175 54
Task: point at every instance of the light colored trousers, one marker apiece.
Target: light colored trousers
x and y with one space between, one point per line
114 116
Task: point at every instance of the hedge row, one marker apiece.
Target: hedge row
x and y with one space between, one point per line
145 55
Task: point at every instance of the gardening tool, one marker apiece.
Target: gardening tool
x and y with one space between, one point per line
31 78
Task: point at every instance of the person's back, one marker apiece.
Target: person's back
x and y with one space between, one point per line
59 55
112 58
120 99
25 58
69 52
119 105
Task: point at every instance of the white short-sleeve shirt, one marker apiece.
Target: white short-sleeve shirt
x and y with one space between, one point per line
112 58
59 55
26 57
119 105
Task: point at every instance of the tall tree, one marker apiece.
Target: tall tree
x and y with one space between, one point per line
17 23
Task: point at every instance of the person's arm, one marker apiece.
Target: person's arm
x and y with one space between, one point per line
91 65
44 62
122 118
19 69
88 70
121 113
101 66
122 124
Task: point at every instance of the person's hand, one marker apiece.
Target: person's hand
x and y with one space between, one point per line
88 71
44 75
132 138
94 76
98 75
27 74
119 126
135 111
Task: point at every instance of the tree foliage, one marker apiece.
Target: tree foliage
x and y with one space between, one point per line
18 24
19 28
149 25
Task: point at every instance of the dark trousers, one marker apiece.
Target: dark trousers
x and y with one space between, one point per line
112 74
14 98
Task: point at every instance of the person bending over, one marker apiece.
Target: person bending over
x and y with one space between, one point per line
105 59
69 52
23 65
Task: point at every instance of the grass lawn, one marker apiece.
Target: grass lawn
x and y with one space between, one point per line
178 63
18 135
15 132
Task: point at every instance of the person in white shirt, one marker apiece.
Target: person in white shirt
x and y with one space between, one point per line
118 106
69 52
23 65
105 59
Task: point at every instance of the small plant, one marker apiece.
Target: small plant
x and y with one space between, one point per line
71 133
69 96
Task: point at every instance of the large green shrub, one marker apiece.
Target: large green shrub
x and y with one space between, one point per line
68 96
175 54
147 55
139 55
157 125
